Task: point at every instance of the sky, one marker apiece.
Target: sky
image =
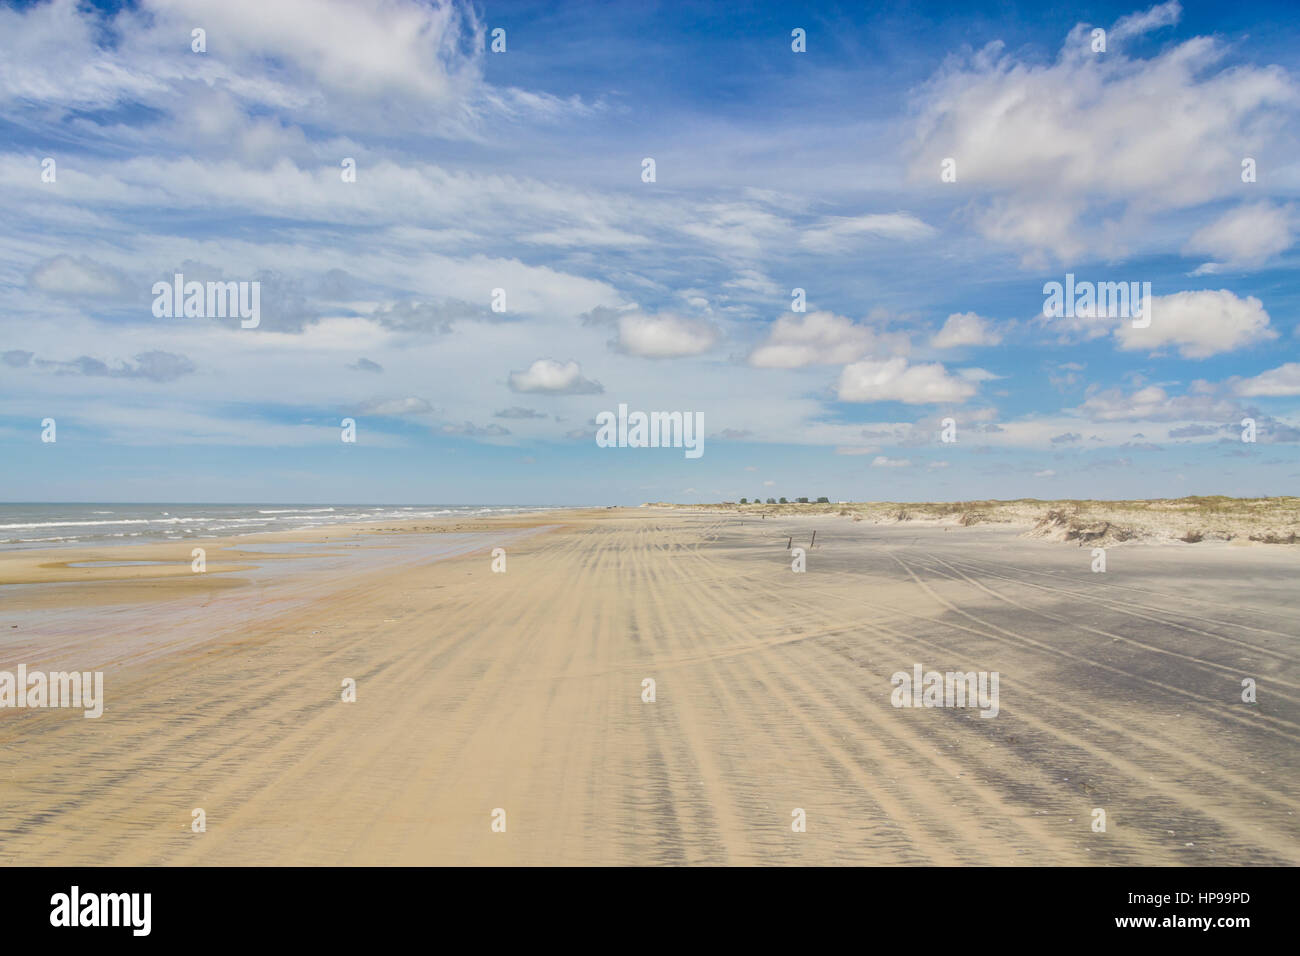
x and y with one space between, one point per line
462 249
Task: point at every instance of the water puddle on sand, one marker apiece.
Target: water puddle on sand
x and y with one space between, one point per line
118 564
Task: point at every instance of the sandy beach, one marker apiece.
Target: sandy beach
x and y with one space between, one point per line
523 691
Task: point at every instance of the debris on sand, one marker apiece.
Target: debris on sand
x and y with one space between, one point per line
1057 525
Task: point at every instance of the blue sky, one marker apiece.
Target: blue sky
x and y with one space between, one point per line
522 171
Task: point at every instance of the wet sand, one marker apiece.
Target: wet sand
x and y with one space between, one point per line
523 691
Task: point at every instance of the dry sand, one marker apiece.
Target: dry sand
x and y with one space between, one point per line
522 691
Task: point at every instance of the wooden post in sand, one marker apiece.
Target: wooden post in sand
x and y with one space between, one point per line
813 542
790 542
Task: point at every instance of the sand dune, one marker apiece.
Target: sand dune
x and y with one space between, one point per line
1088 523
523 691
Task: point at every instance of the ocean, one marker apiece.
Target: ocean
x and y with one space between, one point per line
51 525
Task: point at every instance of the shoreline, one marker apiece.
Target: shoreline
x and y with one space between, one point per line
54 614
49 565
215 520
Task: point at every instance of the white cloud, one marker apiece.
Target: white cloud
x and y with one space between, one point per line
371 63
402 271
894 380
880 461
1202 402
585 237
740 229
470 430
664 335
1135 24
966 328
822 338
1283 380
377 47
79 278
396 406
1199 324
1107 135
1045 473
1243 237
557 378
977 375
753 280
842 233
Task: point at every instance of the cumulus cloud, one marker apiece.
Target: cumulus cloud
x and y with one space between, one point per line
365 365
966 328
822 338
1199 324
554 378
1201 402
379 47
663 335
880 461
1244 237
395 57
895 380
1283 380
518 411
1041 144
